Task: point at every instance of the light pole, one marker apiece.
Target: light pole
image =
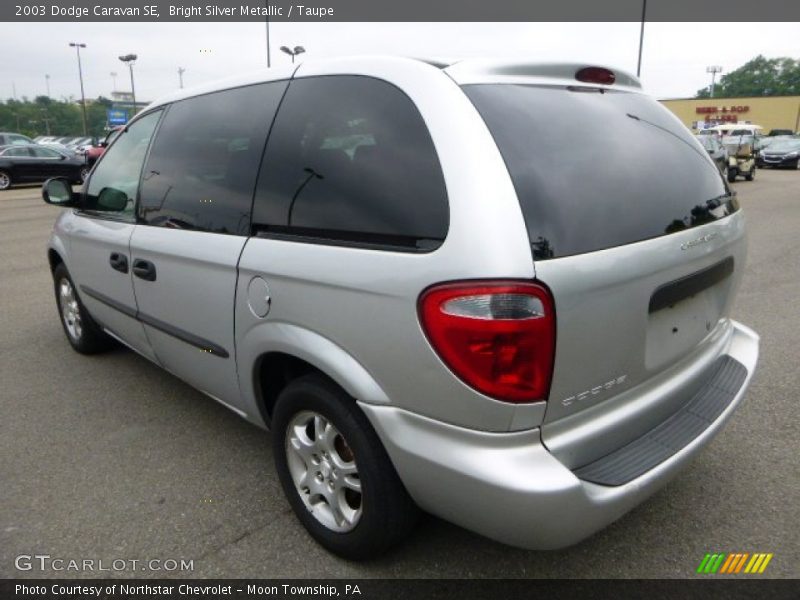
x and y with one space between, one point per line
641 39
130 60
297 50
181 71
269 60
113 81
713 70
47 84
46 119
78 47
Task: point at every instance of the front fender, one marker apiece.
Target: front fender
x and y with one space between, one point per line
309 346
58 241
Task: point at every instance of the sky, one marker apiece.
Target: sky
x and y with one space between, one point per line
674 61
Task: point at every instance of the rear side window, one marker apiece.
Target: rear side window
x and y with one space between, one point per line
350 159
203 163
596 170
18 152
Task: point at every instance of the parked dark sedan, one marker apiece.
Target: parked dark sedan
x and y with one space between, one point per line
715 150
34 163
783 153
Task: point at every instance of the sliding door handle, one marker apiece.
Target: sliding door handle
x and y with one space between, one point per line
118 262
144 269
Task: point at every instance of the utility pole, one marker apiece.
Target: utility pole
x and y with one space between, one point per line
78 47
47 84
113 81
181 71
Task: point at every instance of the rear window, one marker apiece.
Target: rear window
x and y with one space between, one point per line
596 170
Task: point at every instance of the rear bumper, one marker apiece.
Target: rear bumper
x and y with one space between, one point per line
510 488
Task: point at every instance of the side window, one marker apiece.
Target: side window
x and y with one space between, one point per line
115 179
18 152
45 153
349 158
202 168
19 139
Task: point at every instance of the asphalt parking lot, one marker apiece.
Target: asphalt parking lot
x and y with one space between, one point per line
109 457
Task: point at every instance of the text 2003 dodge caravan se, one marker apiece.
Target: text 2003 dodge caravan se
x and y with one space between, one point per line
498 292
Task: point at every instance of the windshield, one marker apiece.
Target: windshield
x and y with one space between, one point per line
596 170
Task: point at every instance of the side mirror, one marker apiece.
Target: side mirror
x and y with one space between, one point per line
58 192
102 144
112 199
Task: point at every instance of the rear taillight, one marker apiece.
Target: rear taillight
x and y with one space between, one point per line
596 75
498 337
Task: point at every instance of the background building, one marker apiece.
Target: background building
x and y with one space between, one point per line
771 112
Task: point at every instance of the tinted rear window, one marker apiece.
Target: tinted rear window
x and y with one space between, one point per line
350 159
596 170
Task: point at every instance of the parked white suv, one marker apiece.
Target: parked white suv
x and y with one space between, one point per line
499 292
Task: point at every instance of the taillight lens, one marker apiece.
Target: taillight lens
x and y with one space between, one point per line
596 75
498 337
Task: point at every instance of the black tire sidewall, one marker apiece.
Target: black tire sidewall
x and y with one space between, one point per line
10 180
382 501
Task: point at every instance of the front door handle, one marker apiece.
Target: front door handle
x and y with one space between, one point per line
119 262
144 269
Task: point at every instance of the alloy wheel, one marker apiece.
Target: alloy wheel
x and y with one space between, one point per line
324 471
70 311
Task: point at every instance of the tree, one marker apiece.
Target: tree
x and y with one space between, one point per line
58 117
759 77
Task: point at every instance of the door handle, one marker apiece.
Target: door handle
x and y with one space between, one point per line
144 269
119 262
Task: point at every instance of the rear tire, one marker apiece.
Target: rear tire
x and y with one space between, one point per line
83 334
84 174
5 180
751 174
335 472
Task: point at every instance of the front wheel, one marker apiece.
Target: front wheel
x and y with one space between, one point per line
83 334
5 180
732 172
751 174
84 173
335 472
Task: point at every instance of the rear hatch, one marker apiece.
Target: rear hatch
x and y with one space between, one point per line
633 229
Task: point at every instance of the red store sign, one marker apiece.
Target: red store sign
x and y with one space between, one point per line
721 109
722 113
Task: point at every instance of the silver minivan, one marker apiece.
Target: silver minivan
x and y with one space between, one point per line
498 292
